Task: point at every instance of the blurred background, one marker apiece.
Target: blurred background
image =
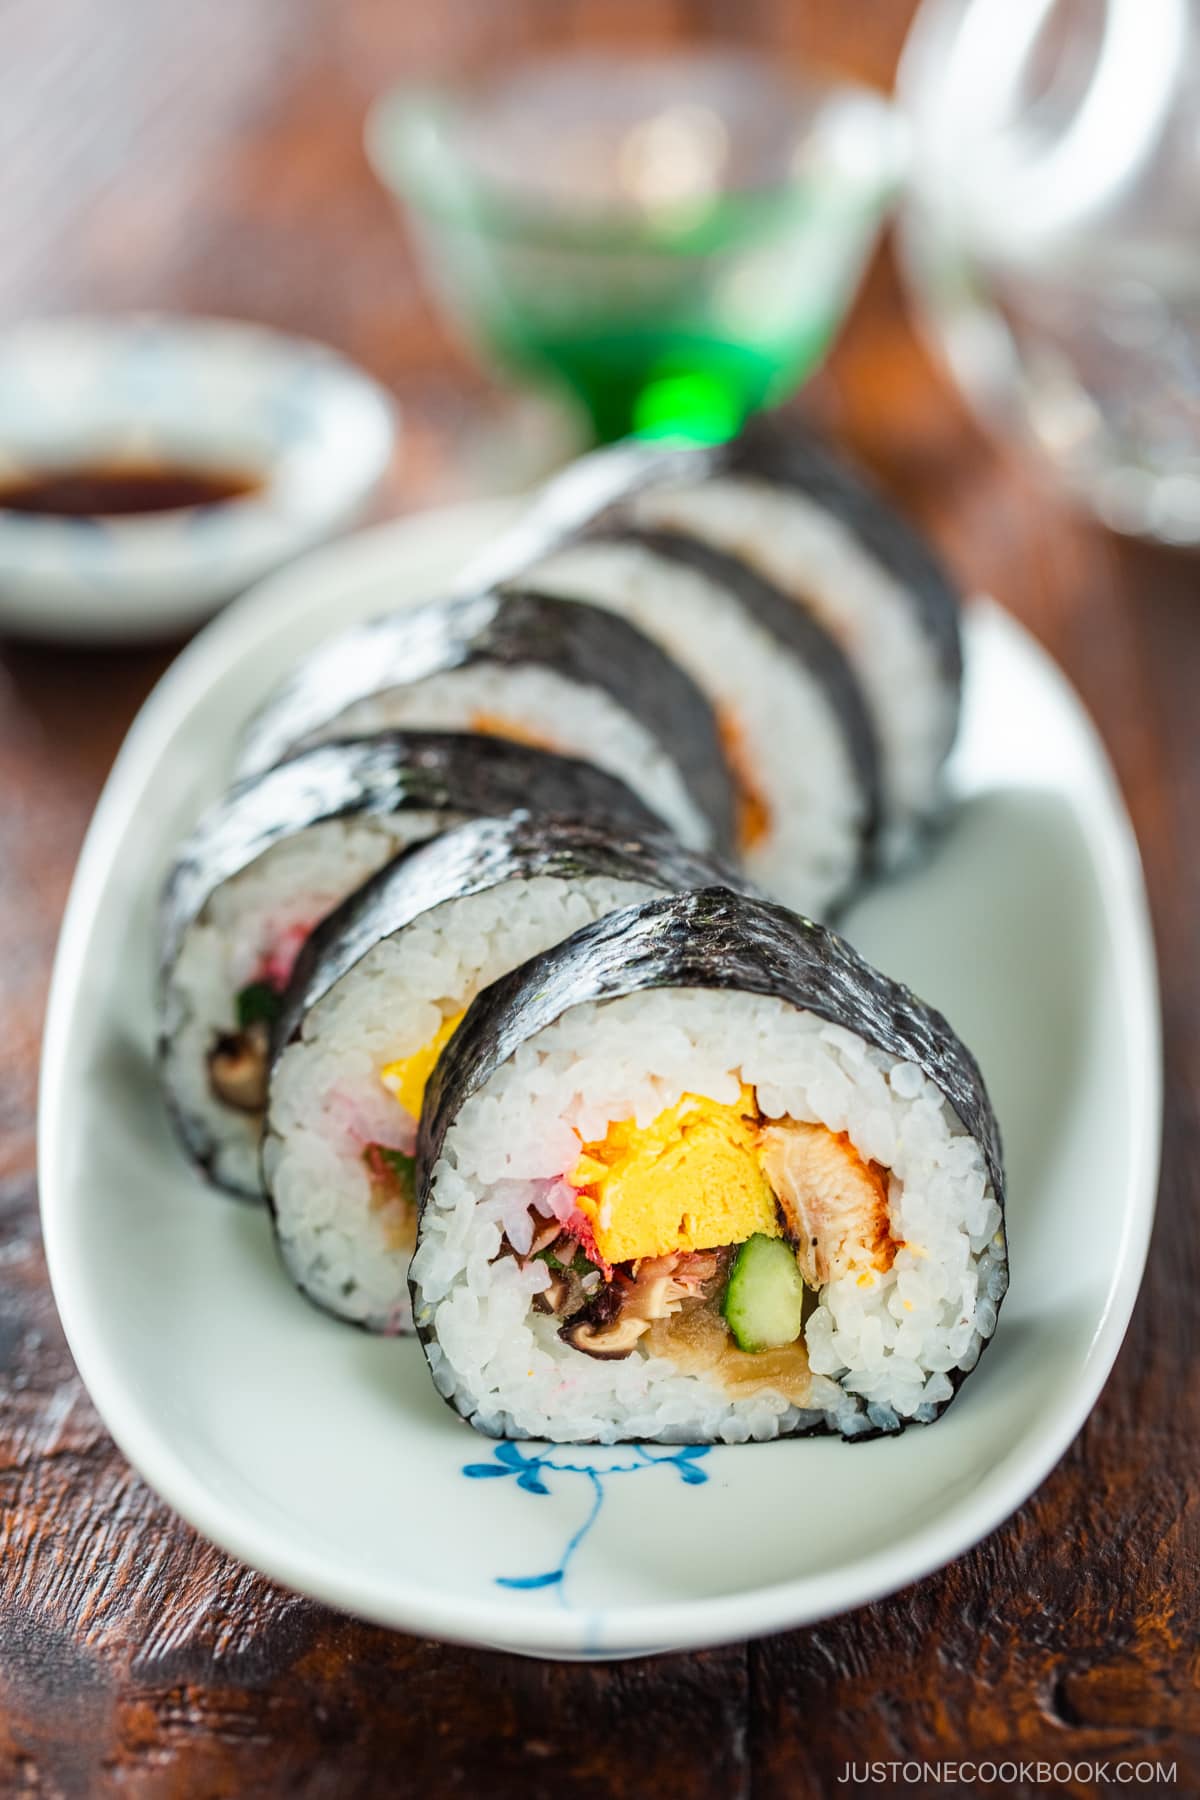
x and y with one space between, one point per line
573 248
211 159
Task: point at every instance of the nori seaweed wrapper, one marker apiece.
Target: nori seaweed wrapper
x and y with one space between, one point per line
771 448
794 628
425 771
584 644
712 938
774 448
470 859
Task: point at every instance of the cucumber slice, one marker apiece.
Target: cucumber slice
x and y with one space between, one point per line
764 1298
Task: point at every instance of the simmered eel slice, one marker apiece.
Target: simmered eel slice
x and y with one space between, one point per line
835 1204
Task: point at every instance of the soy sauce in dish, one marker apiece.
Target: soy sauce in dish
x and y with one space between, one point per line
114 490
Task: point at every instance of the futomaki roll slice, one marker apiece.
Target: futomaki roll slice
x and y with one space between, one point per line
700 1173
820 532
797 732
569 678
378 993
265 865
813 530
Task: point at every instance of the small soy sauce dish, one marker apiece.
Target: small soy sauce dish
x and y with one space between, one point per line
151 467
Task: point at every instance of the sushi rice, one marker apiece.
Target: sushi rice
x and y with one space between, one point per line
880 1352
810 814
700 1173
330 1101
265 865
522 667
811 553
251 929
541 708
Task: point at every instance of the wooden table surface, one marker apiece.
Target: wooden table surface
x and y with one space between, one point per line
208 157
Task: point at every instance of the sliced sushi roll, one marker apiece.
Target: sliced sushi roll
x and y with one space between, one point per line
698 1174
573 679
377 994
798 736
265 865
814 529
818 531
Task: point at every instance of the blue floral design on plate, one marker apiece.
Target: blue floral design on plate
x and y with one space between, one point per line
531 1467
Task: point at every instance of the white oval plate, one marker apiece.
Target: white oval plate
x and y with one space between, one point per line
324 1458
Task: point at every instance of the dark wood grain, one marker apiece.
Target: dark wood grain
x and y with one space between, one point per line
208 157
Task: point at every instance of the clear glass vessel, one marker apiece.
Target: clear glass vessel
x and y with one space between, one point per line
673 239
1051 235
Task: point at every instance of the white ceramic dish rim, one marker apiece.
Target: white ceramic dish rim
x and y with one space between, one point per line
644 1629
154 573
